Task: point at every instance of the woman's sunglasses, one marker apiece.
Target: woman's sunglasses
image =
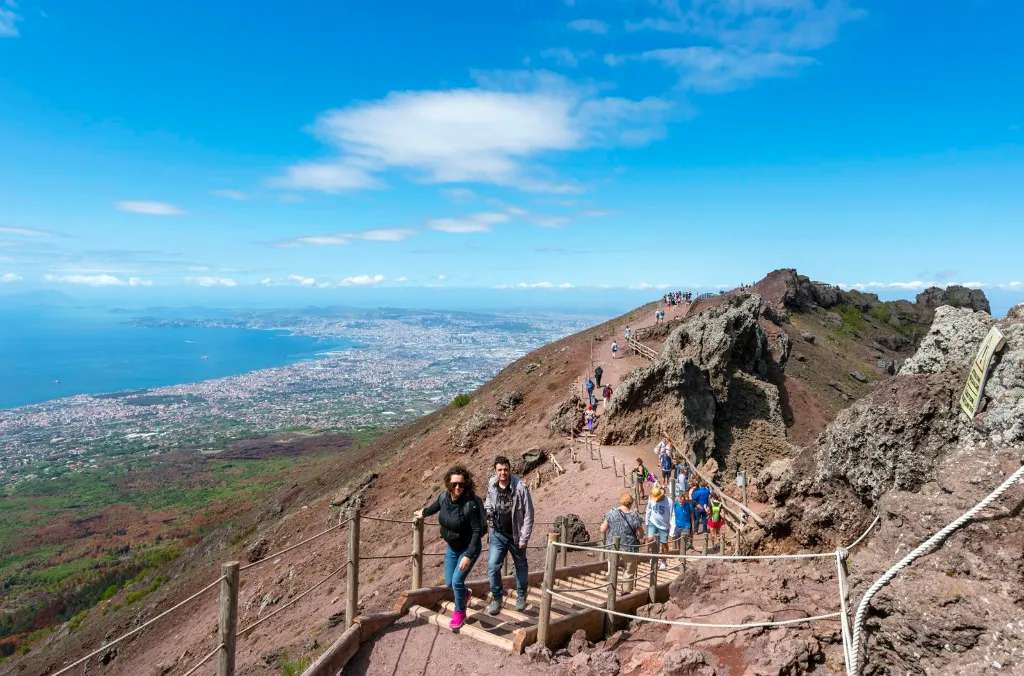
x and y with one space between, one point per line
457 484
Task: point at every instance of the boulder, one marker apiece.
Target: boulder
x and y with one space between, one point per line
567 418
576 530
686 662
257 550
529 461
955 296
509 401
578 643
951 342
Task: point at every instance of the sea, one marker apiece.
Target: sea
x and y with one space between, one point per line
51 353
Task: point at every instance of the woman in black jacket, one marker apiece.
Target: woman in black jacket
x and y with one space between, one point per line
461 517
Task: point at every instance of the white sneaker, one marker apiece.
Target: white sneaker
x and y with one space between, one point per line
662 565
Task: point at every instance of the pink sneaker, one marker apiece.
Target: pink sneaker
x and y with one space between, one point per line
458 619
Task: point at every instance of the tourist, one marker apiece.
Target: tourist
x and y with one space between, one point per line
589 386
658 518
615 349
606 394
598 372
664 453
682 518
510 511
682 479
588 418
462 519
639 476
624 523
715 518
627 333
701 497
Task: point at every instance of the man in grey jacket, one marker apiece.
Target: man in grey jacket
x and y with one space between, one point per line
510 511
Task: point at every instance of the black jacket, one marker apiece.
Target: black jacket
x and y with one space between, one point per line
460 522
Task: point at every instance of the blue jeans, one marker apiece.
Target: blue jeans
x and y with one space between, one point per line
455 578
500 546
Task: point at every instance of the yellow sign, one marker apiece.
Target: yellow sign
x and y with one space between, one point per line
970 400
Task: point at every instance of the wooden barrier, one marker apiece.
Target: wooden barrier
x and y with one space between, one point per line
333 660
613 584
417 552
352 602
227 623
544 619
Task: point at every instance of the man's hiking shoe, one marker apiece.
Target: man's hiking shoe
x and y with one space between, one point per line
494 607
458 619
521 602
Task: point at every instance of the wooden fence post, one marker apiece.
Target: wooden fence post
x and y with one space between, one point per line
706 536
613 585
352 602
652 584
564 537
417 552
844 591
227 624
549 582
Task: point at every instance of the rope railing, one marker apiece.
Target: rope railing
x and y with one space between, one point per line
268 557
249 628
137 629
209 656
854 662
684 623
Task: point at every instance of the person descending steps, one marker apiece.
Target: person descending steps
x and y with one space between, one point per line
658 519
598 372
463 522
510 510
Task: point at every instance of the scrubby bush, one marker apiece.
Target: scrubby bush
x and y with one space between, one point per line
461 400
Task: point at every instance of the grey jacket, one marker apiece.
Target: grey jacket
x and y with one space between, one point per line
522 508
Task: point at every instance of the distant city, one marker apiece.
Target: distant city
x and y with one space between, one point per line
405 364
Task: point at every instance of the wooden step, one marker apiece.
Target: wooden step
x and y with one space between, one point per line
468 630
499 623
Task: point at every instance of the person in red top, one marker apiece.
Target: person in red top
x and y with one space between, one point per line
606 394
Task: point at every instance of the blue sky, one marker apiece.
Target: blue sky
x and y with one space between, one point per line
221 152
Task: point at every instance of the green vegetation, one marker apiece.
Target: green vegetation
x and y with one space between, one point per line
883 313
461 400
293 667
67 544
853 320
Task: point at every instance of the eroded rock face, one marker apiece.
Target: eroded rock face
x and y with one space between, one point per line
709 387
956 296
951 345
891 438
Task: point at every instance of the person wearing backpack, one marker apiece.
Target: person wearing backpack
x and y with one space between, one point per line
606 394
598 372
463 522
510 512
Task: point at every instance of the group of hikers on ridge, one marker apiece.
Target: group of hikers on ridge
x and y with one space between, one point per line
506 516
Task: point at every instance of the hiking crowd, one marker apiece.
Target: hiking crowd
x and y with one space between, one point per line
506 516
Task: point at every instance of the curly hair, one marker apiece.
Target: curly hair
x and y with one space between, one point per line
466 475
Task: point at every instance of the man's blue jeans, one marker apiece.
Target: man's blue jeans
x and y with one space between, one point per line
455 578
500 546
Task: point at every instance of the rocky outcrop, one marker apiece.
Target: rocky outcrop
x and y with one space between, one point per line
567 418
951 345
956 296
709 388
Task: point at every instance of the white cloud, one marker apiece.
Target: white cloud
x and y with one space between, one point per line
329 177
645 286
711 69
362 280
97 280
536 285
236 195
387 234
10 278
302 281
209 281
459 194
345 238
148 208
490 134
402 279
756 24
595 26
480 222
8 22
912 285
